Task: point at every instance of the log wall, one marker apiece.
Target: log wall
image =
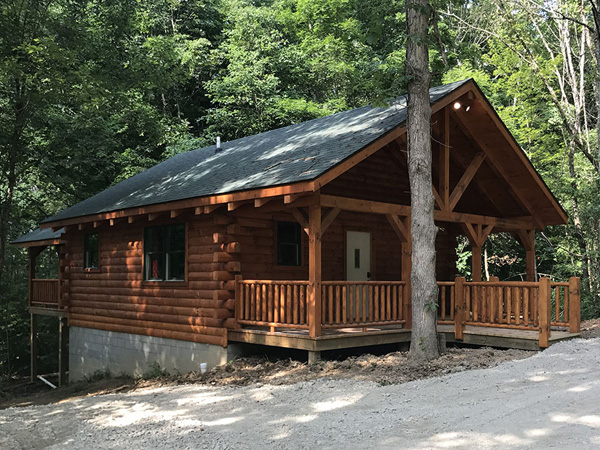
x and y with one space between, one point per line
115 297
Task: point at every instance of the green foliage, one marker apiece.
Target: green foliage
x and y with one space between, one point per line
155 371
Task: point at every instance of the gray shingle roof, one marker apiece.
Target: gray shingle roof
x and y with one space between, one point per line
39 234
295 153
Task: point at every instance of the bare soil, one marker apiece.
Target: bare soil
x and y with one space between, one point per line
391 368
590 329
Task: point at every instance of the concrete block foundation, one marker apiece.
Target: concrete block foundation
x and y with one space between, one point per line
93 350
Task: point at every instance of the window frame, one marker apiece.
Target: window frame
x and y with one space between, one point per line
166 253
299 244
86 250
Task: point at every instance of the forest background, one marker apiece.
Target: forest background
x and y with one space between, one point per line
92 92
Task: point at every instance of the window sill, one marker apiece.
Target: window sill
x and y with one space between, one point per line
92 269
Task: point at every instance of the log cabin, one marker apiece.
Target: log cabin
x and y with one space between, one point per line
300 238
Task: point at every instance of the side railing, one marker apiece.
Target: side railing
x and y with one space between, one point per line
502 304
272 303
520 305
44 293
362 303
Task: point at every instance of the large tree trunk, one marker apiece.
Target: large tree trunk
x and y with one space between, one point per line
424 344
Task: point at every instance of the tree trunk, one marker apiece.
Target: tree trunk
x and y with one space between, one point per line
424 344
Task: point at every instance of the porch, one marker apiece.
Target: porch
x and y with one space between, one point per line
525 315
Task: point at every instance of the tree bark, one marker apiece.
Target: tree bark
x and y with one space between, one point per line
424 344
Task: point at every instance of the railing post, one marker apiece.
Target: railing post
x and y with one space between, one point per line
574 305
545 311
314 271
32 258
238 302
459 308
493 310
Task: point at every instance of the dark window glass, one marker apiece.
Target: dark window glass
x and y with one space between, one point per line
164 253
289 244
90 251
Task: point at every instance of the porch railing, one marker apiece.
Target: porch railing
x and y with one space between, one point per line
44 292
344 303
517 305
502 304
272 303
361 303
523 305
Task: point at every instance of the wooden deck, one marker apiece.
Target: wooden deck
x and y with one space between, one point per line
331 339
335 339
503 337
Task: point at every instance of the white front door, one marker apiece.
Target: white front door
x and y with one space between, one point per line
358 256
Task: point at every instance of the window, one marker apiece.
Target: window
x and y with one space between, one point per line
90 251
289 244
164 253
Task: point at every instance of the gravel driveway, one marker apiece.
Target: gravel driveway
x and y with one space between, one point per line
549 400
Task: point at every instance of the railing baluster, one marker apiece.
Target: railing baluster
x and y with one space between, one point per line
337 305
302 305
344 304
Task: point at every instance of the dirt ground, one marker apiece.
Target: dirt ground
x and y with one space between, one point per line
549 400
388 369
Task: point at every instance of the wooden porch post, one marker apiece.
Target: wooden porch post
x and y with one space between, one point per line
63 351
527 238
33 347
545 311
402 228
314 271
574 305
406 269
33 254
477 234
460 313
476 262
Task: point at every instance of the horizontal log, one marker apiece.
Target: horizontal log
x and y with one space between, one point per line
205 267
222 219
156 301
199 238
222 276
215 313
224 256
168 334
192 292
108 314
363 283
230 304
254 223
232 247
269 282
120 261
182 328
235 229
230 323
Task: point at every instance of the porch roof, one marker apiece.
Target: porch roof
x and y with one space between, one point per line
39 236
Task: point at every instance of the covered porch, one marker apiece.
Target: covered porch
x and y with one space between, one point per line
318 314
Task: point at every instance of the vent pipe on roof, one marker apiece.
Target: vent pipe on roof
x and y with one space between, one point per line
218 149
